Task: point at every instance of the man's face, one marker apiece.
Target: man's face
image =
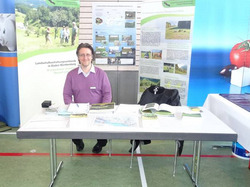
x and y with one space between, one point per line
85 57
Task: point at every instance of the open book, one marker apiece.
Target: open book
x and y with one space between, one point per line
165 109
154 107
102 107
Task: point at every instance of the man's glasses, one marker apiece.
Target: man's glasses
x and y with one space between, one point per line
85 55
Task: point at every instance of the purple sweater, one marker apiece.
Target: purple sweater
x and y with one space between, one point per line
92 89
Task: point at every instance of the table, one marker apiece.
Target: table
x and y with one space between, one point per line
234 116
197 129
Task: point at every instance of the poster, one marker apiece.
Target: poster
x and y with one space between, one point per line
216 32
47 37
114 33
166 44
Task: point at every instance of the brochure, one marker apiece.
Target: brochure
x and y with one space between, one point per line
102 107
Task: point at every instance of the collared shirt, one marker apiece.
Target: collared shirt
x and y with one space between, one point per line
93 88
92 69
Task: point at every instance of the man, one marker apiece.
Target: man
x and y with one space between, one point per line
62 34
87 84
74 33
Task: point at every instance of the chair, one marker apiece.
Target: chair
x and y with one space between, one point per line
158 94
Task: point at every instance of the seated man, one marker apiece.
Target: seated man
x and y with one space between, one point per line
87 84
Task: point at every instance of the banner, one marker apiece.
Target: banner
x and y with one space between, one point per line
47 37
9 101
220 27
166 45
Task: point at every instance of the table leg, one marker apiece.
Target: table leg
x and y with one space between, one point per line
132 153
198 163
194 173
194 159
110 147
53 162
175 158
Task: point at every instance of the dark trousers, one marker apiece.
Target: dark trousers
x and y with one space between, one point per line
101 142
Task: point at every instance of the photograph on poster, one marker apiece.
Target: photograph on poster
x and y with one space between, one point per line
100 38
131 43
38 24
128 52
7 33
146 82
130 14
126 38
114 50
113 38
101 52
98 21
113 61
156 54
180 85
168 68
130 24
181 69
146 54
178 29
117 43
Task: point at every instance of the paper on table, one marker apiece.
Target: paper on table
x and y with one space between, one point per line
191 111
128 108
117 120
78 108
43 124
44 117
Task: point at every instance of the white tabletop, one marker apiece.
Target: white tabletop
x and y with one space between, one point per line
234 116
207 127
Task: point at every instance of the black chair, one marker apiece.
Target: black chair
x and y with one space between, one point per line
158 94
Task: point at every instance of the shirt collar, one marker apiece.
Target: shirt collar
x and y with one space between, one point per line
92 69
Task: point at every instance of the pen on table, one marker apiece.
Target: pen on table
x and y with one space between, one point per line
77 105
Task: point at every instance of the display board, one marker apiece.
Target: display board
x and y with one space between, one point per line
114 33
166 45
47 37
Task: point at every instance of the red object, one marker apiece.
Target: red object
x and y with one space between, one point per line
240 54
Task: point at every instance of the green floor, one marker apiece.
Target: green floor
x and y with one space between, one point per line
33 169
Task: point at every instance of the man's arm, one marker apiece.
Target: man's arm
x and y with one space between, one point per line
106 90
67 91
